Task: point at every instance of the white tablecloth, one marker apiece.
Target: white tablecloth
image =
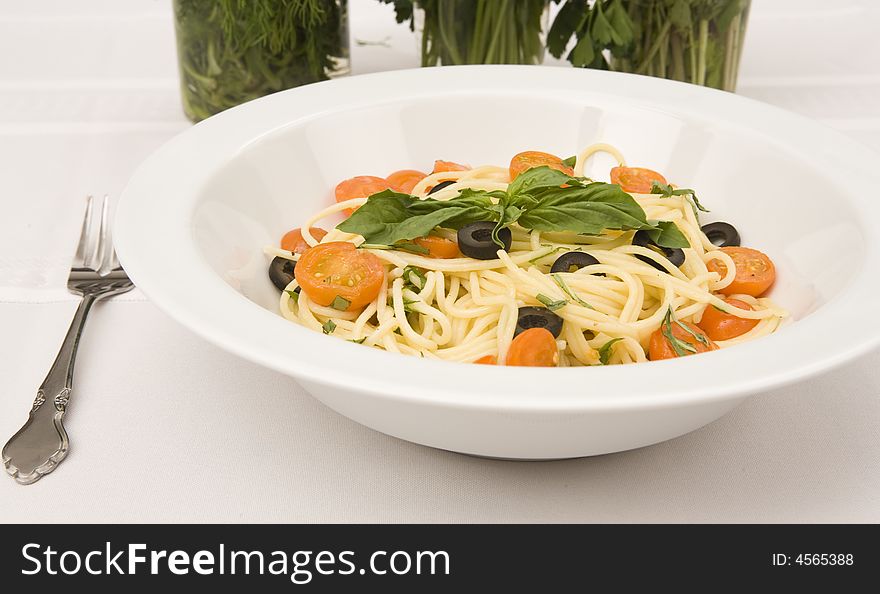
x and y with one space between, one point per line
166 427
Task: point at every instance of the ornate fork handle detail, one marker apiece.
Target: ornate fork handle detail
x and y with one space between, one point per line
41 444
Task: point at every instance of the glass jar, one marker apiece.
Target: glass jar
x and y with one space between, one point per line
232 51
701 42
454 32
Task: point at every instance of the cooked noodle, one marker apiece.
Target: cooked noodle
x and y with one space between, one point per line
467 308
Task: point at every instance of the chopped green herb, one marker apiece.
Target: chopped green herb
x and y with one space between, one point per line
700 338
550 303
667 191
680 347
571 161
328 327
606 350
558 280
407 304
358 340
293 295
414 277
340 303
550 250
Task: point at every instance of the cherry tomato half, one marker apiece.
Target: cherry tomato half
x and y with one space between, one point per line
441 165
293 240
529 159
755 272
487 360
661 348
719 325
405 180
338 269
534 347
438 247
360 186
636 180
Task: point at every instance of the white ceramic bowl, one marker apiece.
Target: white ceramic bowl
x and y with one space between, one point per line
193 220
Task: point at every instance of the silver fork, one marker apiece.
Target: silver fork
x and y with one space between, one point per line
41 444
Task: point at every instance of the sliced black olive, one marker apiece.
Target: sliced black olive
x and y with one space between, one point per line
721 234
281 272
441 185
475 240
576 260
674 255
538 317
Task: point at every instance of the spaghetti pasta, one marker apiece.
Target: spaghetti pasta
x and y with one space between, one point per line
464 309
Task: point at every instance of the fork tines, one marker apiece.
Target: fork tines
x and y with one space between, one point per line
95 250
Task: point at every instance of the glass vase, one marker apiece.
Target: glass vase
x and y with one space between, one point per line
453 32
699 43
232 51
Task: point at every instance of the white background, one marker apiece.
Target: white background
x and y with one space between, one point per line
165 427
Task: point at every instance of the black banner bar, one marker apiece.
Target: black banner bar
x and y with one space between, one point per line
419 558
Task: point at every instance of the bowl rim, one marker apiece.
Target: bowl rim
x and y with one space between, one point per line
164 193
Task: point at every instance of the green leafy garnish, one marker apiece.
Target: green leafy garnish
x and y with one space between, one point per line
293 295
328 327
606 350
390 217
700 338
477 31
412 247
562 285
534 200
668 235
407 304
680 347
414 277
232 51
550 303
358 340
571 161
340 303
695 41
667 191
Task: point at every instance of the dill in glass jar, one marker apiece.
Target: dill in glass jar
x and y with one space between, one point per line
232 51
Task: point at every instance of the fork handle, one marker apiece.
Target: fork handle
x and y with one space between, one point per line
41 444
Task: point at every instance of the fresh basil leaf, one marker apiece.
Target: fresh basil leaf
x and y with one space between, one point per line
411 247
550 303
340 303
536 178
606 350
586 210
666 234
391 217
571 161
293 295
328 327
